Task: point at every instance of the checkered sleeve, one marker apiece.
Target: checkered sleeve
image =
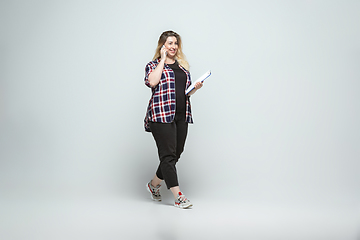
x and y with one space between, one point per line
148 69
189 118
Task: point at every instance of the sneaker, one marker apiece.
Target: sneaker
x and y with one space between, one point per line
155 191
182 201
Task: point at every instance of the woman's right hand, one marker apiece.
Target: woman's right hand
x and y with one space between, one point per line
155 75
163 53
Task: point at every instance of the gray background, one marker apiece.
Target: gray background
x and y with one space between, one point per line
274 151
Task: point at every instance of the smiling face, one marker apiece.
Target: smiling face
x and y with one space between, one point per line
171 46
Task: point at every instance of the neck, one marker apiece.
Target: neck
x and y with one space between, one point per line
169 60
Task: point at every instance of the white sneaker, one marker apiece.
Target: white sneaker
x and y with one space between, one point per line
155 191
182 201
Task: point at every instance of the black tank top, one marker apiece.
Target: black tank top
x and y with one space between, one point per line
180 84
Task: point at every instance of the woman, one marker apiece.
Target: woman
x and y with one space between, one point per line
169 112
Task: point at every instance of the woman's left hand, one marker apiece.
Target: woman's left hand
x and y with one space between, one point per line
198 85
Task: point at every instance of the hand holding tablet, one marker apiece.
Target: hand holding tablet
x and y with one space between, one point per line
191 88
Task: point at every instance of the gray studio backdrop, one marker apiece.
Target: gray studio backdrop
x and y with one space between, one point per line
277 122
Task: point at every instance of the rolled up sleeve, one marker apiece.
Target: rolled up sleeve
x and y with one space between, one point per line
148 69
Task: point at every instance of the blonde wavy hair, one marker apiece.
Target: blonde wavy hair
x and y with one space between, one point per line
180 56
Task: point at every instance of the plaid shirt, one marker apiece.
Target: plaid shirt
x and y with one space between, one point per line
161 106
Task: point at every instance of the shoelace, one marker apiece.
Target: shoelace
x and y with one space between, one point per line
156 191
182 198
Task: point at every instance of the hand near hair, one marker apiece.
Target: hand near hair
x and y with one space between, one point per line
155 76
163 53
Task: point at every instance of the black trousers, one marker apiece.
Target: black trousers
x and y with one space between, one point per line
170 140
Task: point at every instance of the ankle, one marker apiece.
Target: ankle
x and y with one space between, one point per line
175 191
155 186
